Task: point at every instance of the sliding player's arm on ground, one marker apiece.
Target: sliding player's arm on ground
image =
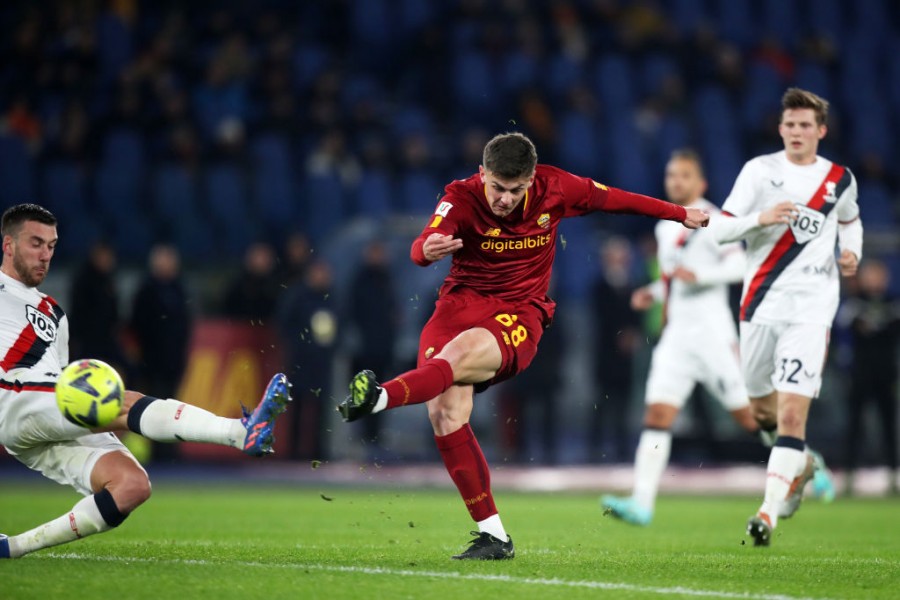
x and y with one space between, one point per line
436 241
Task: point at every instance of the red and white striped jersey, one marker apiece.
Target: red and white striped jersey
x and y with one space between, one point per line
792 274
34 337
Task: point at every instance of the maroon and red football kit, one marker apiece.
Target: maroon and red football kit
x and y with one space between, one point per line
499 278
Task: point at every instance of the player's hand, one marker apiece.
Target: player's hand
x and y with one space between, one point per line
848 262
695 218
642 298
685 275
437 246
780 214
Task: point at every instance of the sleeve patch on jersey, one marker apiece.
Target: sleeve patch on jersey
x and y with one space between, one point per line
437 221
443 208
600 185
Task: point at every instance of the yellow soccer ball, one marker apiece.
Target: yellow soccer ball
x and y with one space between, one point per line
90 393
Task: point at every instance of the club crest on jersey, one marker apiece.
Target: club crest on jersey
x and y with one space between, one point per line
829 192
544 220
429 353
43 325
492 232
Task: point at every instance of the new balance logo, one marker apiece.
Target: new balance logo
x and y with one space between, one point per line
776 184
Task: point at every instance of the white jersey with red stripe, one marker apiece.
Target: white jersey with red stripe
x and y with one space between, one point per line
792 274
702 305
34 338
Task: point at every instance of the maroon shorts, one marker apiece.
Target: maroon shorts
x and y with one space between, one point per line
518 328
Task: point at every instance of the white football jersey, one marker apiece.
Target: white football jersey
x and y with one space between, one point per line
792 274
703 305
34 337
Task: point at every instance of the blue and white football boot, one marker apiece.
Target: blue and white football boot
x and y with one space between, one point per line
260 424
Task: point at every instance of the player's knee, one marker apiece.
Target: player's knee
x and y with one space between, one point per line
130 489
660 416
444 419
791 420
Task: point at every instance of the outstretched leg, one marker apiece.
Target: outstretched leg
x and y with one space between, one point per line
120 485
471 357
168 420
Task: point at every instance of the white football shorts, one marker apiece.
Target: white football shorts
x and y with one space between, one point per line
787 357
681 361
33 430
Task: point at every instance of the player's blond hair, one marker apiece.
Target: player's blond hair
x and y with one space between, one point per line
799 98
510 156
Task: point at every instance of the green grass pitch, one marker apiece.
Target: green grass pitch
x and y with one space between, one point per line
229 541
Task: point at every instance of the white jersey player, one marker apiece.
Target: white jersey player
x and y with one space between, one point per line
791 208
696 271
34 334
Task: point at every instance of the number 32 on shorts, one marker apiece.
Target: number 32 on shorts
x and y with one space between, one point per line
516 335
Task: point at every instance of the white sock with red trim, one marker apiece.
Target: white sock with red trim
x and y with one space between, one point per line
786 461
175 421
83 520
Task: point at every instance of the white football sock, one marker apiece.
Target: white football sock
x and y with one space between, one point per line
174 421
381 403
493 526
784 465
650 461
83 520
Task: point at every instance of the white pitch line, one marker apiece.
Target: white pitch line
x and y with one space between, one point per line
455 575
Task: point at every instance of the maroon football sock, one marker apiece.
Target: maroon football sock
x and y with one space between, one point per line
420 385
469 471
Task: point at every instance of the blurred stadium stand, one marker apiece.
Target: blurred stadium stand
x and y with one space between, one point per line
216 124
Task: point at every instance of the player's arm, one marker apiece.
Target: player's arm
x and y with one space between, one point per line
62 339
624 202
643 298
742 217
850 230
730 268
436 241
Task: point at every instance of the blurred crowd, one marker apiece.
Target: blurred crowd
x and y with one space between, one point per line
212 125
248 136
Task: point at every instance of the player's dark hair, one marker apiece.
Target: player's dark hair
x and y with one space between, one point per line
510 156
795 98
16 216
688 154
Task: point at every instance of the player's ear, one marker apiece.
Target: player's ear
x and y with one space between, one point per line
481 172
823 130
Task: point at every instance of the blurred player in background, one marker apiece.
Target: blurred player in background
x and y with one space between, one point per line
699 343
500 227
791 207
34 337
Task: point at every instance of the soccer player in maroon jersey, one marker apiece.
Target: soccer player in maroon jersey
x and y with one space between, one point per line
500 226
